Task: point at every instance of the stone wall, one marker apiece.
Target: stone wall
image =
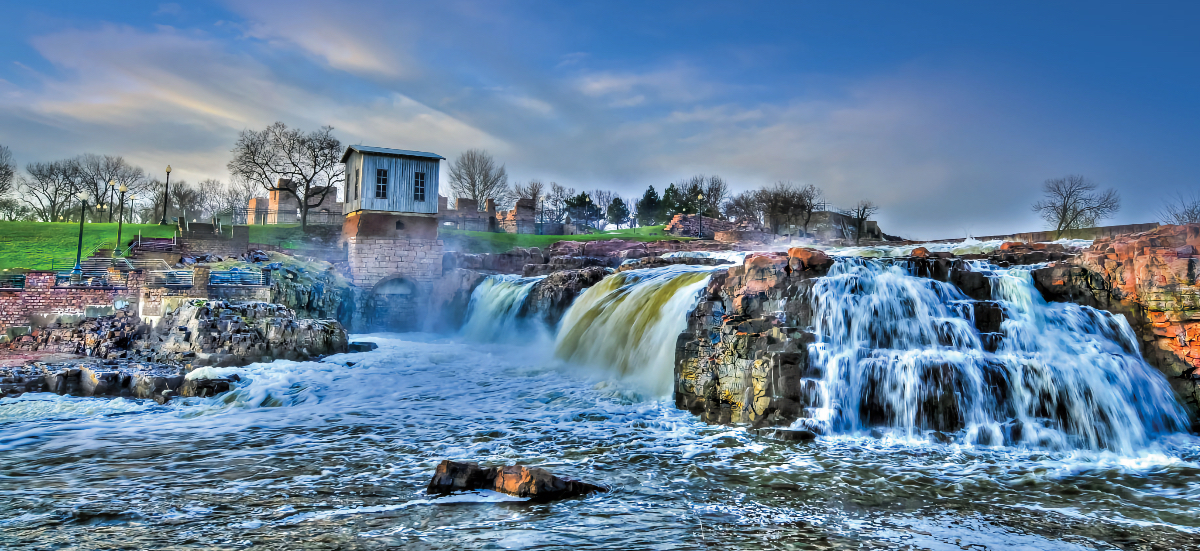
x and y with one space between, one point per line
466 215
518 220
1099 232
738 236
686 225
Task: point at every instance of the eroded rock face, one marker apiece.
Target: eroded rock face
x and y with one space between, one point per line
203 332
534 483
550 297
1153 279
743 357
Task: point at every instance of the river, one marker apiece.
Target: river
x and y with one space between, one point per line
336 454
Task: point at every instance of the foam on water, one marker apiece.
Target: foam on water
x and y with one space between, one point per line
307 450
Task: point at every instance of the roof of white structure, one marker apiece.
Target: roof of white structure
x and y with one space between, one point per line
388 151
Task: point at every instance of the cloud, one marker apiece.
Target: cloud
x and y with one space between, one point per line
181 97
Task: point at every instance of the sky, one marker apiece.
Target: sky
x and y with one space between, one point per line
948 115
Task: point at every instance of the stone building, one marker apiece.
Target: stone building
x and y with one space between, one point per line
390 232
281 207
518 220
466 215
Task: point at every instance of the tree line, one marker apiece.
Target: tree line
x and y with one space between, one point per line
49 191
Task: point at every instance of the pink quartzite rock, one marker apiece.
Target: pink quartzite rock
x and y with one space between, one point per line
534 483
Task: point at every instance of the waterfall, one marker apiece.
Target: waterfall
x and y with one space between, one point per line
903 352
492 313
630 321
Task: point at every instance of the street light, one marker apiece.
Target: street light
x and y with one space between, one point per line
166 189
78 271
120 218
700 227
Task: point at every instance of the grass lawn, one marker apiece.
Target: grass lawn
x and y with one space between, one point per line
487 242
44 245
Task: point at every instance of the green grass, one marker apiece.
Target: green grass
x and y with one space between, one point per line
487 242
45 245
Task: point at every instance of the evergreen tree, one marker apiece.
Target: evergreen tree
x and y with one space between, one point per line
673 203
583 210
618 213
649 208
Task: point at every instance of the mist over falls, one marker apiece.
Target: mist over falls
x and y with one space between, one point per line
882 349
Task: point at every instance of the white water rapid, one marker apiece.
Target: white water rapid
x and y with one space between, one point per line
629 323
492 314
903 352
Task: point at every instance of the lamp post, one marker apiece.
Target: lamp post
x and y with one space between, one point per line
166 189
700 227
78 271
120 218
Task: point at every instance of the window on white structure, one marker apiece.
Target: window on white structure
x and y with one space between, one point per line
381 183
419 186
357 182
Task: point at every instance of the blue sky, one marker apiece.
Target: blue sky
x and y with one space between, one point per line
947 114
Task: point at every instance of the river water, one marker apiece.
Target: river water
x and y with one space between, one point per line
336 454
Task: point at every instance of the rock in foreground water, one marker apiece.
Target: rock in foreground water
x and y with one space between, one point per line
534 483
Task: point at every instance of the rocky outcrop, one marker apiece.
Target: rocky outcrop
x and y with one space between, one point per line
743 357
121 378
529 482
550 297
105 337
1153 279
203 332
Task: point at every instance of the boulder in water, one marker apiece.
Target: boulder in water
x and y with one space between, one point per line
534 483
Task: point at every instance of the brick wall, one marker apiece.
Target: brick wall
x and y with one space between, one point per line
41 302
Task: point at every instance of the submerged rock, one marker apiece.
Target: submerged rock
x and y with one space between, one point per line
534 483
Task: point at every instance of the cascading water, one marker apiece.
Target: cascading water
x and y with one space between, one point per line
629 322
492 313
902 351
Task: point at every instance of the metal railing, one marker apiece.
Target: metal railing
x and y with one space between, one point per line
236 277
170 278
12 281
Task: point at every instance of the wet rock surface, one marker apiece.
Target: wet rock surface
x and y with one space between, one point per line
118 378
550 297
531 482
220 333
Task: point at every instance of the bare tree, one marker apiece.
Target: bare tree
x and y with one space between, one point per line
474 175
809 198
311 161
744 207
602 198
716 192
782 204
533 190
554 205
859 214
50 189
1181 209
1072 203
8 171
102 175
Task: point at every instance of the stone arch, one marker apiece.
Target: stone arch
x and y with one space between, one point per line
394 305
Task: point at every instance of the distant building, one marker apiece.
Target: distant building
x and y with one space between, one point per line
281 207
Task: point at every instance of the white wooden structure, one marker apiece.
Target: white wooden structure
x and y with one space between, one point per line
391 180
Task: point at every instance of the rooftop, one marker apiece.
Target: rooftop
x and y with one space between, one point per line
388 151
